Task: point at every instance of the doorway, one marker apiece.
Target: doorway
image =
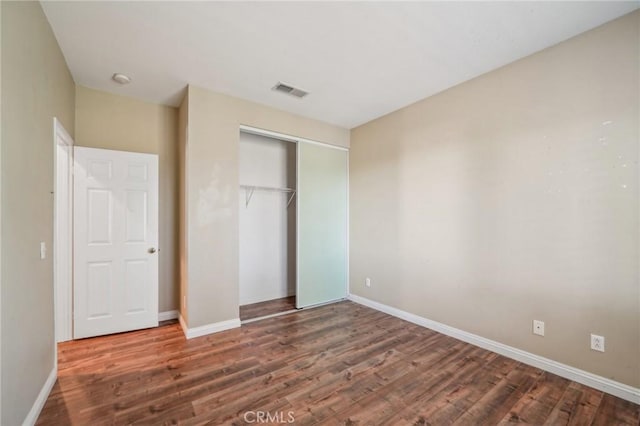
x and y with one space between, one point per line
267 217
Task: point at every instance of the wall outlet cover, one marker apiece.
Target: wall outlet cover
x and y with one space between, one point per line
597 343
538 327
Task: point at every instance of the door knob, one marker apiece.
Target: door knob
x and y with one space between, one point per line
152 250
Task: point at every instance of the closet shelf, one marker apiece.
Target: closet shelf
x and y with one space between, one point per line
249 189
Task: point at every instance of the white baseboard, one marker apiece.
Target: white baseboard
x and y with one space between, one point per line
168 315
203 330
603 384
32 417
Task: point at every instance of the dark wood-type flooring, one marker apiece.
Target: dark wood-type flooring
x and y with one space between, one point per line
337 364
270 307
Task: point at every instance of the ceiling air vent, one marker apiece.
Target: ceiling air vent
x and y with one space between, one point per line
290 90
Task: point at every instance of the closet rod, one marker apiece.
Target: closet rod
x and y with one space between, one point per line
249 189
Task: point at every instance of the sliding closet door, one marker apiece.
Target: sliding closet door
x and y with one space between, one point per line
322 224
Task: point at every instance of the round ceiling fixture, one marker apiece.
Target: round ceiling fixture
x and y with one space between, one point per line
121 78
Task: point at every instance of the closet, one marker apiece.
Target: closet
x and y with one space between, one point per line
293 223
267 216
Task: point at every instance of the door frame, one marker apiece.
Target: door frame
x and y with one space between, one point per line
63 290
295 139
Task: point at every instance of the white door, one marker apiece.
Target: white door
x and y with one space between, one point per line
115 241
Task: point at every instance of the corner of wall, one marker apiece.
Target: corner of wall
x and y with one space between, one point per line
1 215
183 129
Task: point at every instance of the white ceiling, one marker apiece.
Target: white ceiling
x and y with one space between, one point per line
358 60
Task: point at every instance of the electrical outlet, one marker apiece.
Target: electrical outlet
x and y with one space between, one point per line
538 327
367 282
597 343
43 251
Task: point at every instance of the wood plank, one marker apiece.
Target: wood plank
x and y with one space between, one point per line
536 406
577 406
448 403
616 411
337 364
505 394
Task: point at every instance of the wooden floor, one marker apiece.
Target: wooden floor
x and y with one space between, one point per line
270 307
336 364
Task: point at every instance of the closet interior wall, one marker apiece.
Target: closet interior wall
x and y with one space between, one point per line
267 223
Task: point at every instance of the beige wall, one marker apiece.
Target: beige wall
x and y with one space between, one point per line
104 120
212 193
37 86
513 197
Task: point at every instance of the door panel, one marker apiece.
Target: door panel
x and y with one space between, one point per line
137 173
136 272
99 290
99 216
136 216
115 226
99 169
322 224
